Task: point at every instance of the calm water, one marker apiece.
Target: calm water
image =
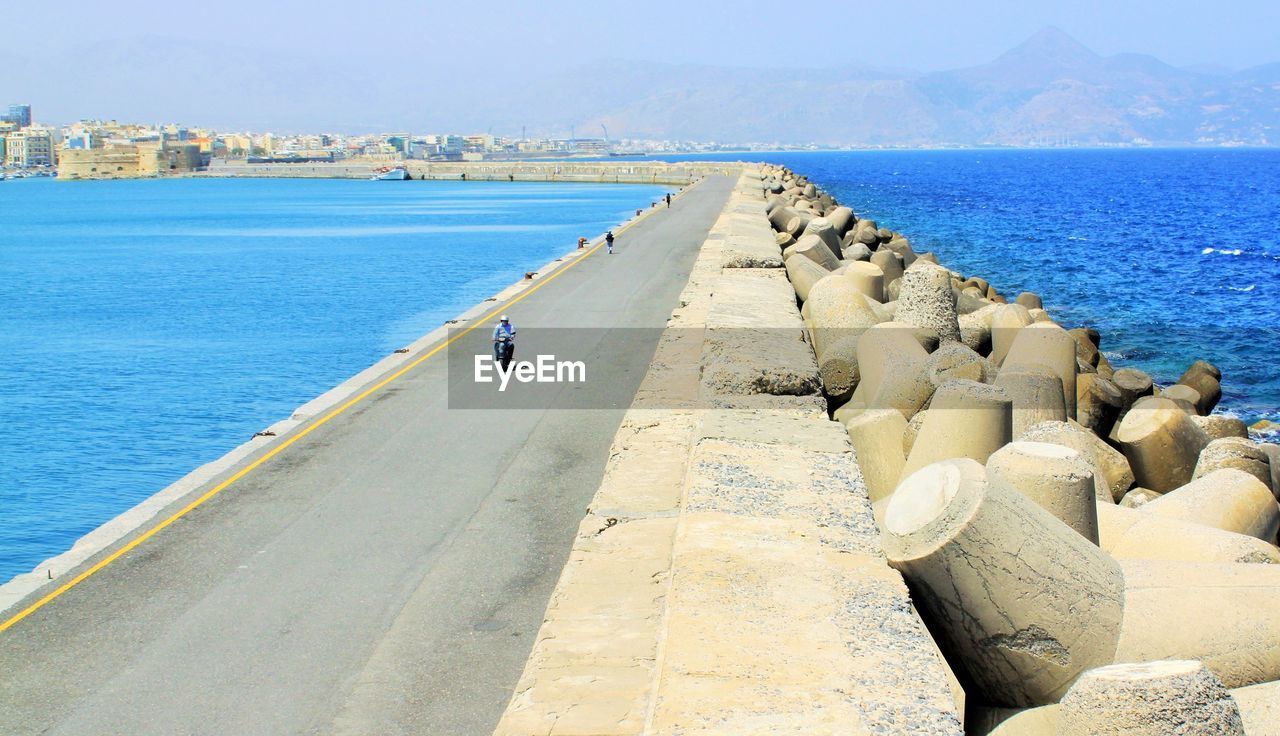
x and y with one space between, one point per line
147 327
1173 255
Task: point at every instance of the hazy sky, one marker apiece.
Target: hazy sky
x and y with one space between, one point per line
914 34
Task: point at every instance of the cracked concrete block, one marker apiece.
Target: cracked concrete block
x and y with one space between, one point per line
1149 699
1226 499
1161 443
1003 583
965 419
1128 534
1047 348
1205 611
1053 476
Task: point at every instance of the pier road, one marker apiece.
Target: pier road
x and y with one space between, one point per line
384 574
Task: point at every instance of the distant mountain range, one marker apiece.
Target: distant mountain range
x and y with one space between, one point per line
1051 89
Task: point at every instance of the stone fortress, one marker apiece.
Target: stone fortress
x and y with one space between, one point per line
861 493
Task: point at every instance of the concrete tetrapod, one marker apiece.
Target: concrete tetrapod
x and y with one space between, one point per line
1161 443
1184 396
1098 403
1036 397
892 366
1046 347
1053 476
822 228
876 435
1235 452
1220 614
803 274
842 219
1128 534
890 263
926 300
965 419
1227 499
1217 426
1019 600
1206 379
867 278
1149 699
812 247
1006 322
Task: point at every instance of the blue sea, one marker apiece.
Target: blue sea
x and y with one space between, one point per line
1173 255
148 327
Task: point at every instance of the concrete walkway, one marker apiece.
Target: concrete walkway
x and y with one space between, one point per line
387 573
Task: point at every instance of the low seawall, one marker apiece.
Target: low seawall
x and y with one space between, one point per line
603 172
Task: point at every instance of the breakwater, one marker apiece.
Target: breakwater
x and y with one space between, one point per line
1087 551
603 172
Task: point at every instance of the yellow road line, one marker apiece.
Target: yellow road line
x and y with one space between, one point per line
306 431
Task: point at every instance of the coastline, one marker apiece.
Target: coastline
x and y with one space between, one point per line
130 523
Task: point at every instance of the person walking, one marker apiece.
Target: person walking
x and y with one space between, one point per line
608 239
504 342
668 200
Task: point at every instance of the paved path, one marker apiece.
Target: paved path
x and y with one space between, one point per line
385 574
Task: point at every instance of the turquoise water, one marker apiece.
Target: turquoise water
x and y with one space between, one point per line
1173 255
147 327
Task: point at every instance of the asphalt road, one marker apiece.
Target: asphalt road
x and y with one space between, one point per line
385 574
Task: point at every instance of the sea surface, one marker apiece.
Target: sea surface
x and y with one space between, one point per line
1174 255
148 327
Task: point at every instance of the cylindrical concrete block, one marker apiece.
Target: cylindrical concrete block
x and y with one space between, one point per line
855 252
780 216
867 278
1036 397
1030 300
1006 323
1149 699
1133 384
784 240
1161 443
876 435
835 310
1259 708
1187 398
1098 403
1206 379
1235 452
804 273
1226 499
890 263
953 360
842 219
1220 614
1129 534
1053 476
822 228
1046 347
838 368
926 300
812 247
1114 474
1217 426
966 419
892 366
1019 600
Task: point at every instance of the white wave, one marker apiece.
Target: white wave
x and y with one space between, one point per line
1250 287
1206 251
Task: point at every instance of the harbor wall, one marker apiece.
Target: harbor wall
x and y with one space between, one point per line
595 172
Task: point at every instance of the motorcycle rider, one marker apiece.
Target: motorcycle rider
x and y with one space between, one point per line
504 342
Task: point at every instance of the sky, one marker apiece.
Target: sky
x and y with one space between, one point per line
925 36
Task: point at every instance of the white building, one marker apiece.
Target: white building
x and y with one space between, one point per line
31 146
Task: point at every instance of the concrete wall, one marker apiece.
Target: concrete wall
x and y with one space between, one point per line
606 172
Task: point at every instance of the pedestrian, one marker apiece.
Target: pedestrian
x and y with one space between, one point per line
668 200
582 243
608 239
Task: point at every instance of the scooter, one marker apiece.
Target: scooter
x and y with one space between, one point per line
503 348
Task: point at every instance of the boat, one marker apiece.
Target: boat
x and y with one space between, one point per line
390 173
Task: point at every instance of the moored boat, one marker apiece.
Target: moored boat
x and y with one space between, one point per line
390 173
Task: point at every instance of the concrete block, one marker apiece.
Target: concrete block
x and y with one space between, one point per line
1036 397
803 274
1226 499
1047 348
1006 322
1161 443
965 419
1053 476
925 300
1238 453
1149 699
1013 622
876 435
1129 534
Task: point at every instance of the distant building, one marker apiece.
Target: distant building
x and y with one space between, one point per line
19 115
130 161
30 146
590 145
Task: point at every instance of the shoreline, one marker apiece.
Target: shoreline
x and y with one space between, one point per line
24 586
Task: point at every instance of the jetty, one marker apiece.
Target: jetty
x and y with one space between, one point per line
815 482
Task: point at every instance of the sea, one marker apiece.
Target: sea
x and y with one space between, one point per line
150 326
147 327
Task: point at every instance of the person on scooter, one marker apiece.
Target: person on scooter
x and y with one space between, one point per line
504 342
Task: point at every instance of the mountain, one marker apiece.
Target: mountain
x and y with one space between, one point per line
1048 89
